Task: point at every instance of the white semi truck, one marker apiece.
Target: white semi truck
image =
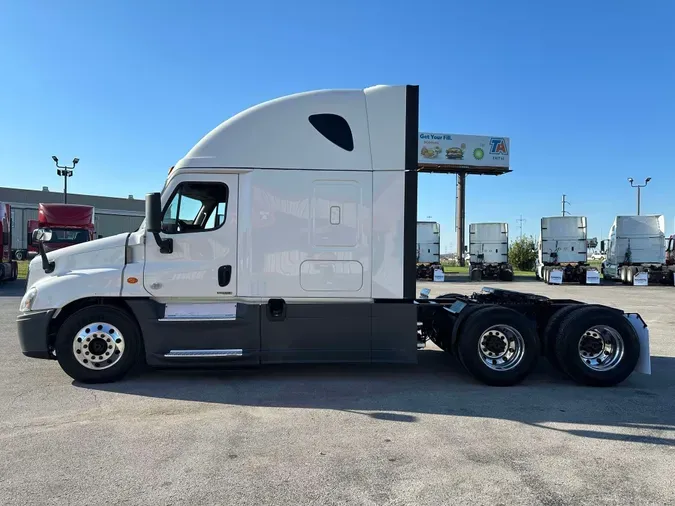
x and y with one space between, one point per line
428 248
637 244
287 235
489 251
563 246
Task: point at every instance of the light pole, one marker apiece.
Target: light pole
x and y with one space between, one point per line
639 186
563 205
65 172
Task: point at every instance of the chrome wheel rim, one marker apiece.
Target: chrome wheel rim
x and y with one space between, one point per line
501 347
98 345
601 348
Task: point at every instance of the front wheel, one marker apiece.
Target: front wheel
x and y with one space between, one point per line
98 344
498 346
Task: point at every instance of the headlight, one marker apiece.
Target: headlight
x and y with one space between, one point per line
28 299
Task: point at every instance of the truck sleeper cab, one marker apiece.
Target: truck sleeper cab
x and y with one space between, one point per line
489 251
428 249
637 244
563 246
299 249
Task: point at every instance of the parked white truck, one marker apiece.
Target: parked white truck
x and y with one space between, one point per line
489 251
637 244
286 235
428 248
563 247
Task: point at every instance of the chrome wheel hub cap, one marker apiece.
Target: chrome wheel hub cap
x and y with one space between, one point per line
501 347
601 348
98 345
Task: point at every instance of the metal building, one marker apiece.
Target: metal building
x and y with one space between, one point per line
112 215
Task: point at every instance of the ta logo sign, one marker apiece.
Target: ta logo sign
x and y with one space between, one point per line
498 146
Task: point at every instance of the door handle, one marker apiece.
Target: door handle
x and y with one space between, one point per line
224 275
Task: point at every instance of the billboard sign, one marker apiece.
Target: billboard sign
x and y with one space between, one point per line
465 151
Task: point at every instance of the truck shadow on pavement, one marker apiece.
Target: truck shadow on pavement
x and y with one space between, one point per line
641 410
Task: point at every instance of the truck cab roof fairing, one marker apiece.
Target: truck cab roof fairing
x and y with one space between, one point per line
279 134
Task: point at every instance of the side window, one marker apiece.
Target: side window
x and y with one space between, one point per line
217 216
195 207
334 128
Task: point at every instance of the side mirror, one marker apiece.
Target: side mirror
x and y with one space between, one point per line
153 213
602 246
42 235
153 222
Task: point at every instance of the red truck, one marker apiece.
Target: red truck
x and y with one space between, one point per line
70 224
8 267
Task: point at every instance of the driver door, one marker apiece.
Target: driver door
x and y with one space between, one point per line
200 216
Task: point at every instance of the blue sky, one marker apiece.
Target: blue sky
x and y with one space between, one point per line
583 89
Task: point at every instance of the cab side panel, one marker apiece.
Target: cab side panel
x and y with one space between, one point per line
305 234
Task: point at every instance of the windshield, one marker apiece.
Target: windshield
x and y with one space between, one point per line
69 235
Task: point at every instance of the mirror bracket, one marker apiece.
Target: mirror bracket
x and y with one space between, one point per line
165 245
47 266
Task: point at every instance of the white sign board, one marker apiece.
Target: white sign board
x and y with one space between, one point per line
555 277
463 150
592 277
641 279
439 275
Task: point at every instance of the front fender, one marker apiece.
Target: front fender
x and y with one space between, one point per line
54 292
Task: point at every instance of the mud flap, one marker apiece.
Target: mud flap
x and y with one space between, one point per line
592 277
644 365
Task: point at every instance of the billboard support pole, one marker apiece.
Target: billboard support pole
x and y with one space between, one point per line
460 215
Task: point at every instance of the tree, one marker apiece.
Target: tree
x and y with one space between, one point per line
522 253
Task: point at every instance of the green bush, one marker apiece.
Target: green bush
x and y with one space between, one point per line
522 254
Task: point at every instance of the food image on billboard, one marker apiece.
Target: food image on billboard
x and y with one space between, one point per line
463 150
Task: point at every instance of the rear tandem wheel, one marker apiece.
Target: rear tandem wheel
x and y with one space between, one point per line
498 346
597 346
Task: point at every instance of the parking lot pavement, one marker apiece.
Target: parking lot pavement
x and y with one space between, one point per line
424 434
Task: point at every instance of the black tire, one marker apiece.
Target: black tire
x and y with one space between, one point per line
506 275
19 255
15 272
476 275
551 333
468 345
460 324
567 346
133 345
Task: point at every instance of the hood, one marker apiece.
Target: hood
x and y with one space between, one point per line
53 246
100 253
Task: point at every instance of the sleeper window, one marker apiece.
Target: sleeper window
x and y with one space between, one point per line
195 207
